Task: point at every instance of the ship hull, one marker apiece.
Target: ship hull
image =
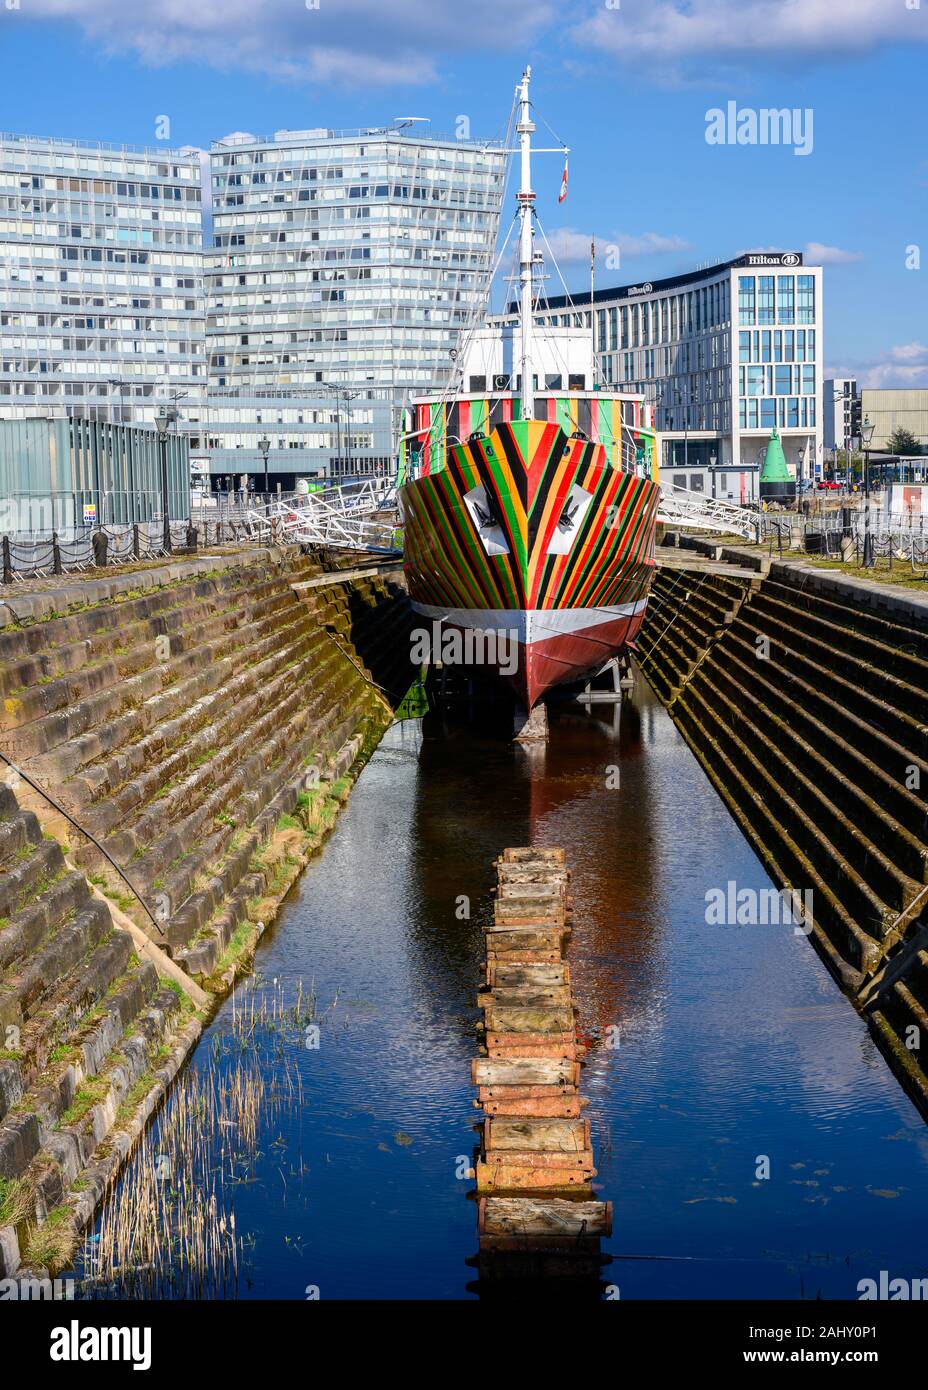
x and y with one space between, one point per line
535 540
536 650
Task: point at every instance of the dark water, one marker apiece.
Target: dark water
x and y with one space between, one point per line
734 1042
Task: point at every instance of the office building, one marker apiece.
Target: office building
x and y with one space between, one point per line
725 354
101 301
343 269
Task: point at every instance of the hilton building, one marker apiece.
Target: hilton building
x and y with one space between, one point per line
725 354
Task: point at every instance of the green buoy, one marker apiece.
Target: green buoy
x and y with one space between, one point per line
776 482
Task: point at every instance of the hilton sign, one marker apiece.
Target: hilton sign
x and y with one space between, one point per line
778 258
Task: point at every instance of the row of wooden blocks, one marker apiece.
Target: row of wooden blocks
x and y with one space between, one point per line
535 1166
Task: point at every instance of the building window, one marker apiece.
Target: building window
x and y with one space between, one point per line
765 307
786 307
806 298
746 299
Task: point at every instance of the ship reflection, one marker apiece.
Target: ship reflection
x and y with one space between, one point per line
588 789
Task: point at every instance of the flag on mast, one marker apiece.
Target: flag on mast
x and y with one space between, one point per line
563 193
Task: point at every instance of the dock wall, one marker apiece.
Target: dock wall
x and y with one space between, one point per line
804 695
181 739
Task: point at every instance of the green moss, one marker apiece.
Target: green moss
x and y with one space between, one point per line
91 1093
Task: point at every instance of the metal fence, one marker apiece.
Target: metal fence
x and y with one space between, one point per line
846 533
358 515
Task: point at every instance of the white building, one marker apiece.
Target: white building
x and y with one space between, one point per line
101 299
839 395
344 267
725 354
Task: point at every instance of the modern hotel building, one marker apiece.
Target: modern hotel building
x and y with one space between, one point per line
724 354
344 268
101 297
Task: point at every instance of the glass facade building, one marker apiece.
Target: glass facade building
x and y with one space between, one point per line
344 268
724 354
101 292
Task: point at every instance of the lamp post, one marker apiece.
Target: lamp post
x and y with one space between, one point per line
162 422
265 446
866 438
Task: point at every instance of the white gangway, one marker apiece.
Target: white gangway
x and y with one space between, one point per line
360 517
694 511
366 518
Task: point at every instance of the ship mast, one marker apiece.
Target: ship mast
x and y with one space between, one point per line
526 199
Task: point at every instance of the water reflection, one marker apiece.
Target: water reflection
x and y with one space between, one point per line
734 1042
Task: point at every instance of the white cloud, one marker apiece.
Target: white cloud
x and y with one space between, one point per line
905 365
911 352
817 253
351 42
570 247
727 31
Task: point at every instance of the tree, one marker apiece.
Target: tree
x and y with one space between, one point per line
903 441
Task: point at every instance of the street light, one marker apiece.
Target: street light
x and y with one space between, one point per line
265 446
866 439
162 424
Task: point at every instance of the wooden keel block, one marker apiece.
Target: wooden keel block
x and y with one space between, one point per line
517 1093
527 939
533 1216
502 1018
552 1107
531 1072
525 997
545 1136
528 855
525 957
515 1178
535 976
512 1046
535 1167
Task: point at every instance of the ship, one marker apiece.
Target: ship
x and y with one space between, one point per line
530 515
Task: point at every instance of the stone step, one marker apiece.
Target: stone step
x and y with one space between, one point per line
122 651
894 815
18 836
855 824
871 665
286 701
57 645
845 688
229 685
26 877
796 803
181 767
40 917
896 632
22 992
41 735
850 952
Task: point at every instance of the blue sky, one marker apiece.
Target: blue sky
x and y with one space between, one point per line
626 83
